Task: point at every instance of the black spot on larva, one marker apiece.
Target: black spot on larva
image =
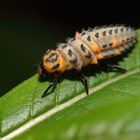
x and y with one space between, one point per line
97 35
83 48
122 29
104 46
55 66
73 59
64 46
73 56
110 44
110 32
127 39
53 57
123 41
88 38
116 31
70 52
104 33
53 60
88 55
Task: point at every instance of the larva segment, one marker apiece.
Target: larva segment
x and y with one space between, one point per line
103 40
113 37
71 56
86 38
87 56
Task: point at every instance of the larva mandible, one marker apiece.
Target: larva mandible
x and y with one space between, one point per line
87 47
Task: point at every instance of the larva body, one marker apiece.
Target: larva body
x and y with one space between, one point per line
88 47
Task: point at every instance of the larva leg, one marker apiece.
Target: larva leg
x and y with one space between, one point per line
116 68
83 79
52 85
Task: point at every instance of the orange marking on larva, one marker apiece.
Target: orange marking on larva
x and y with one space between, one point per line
99 56
117 51
48 67
57 65
62 63
47 64
94 61
116 43
95 47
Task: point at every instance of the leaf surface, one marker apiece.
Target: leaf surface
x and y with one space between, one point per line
111 113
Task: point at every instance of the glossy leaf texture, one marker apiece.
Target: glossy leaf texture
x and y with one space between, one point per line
24 102
111 113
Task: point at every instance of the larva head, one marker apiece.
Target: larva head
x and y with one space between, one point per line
53 61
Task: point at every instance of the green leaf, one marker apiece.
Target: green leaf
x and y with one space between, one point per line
24 102
111 113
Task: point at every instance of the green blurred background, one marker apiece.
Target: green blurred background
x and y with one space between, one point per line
28 28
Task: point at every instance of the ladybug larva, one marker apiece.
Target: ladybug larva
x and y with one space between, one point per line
87 47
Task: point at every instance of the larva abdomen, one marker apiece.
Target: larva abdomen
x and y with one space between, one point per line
102 43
